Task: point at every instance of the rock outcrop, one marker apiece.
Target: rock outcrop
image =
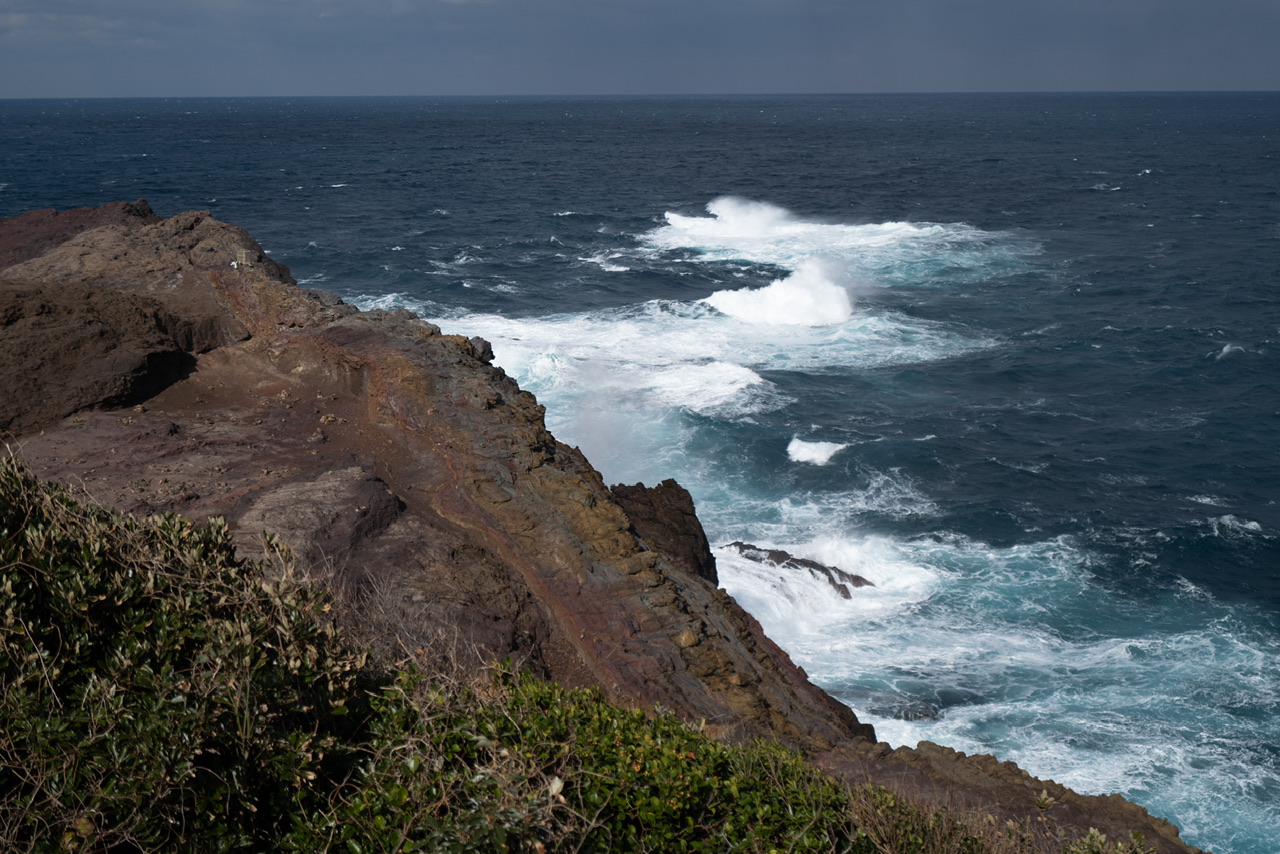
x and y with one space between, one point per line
839 580
664 516
169 365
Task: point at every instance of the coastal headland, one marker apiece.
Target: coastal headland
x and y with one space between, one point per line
167 364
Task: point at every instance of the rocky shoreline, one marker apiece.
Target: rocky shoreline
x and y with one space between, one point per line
168 365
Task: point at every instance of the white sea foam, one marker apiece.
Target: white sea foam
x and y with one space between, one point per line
742 229
890 494
659 359
617 382
802 611
972 646
1232 523
607 261
631 344
718 387
818 453
807 297
873 253
691 334
809 517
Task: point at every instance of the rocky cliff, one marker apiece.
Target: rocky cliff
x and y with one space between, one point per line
169 365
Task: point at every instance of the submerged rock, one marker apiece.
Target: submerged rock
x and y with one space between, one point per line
839 580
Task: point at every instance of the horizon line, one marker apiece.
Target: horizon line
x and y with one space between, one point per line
638 95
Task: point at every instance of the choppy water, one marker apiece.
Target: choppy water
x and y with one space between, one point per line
1012 358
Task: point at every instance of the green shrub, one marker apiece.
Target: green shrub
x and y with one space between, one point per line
1095 842
158 694
538 764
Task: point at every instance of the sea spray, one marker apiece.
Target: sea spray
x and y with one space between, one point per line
807 297
818 453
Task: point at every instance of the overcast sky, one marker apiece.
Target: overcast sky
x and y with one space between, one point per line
94 48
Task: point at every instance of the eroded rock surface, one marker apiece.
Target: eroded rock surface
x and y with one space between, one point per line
169 365
664 516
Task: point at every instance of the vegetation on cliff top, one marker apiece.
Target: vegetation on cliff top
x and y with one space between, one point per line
159 694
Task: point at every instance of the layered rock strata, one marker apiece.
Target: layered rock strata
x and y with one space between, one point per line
169 365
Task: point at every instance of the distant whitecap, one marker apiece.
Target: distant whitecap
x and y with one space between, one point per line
606 261
1227 350
743 230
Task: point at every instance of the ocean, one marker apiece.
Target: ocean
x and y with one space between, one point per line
1013 358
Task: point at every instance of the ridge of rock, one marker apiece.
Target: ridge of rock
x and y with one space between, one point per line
665 517
839 580
170 365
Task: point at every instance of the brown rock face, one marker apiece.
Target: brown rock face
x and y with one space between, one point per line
168 365
79 346
664 516
36 233
109 305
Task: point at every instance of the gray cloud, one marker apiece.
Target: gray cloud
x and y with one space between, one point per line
302 47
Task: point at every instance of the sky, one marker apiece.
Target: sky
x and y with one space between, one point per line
176 48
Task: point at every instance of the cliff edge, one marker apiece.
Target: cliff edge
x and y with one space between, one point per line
169 365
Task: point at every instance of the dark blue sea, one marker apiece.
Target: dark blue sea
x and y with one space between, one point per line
1013 358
